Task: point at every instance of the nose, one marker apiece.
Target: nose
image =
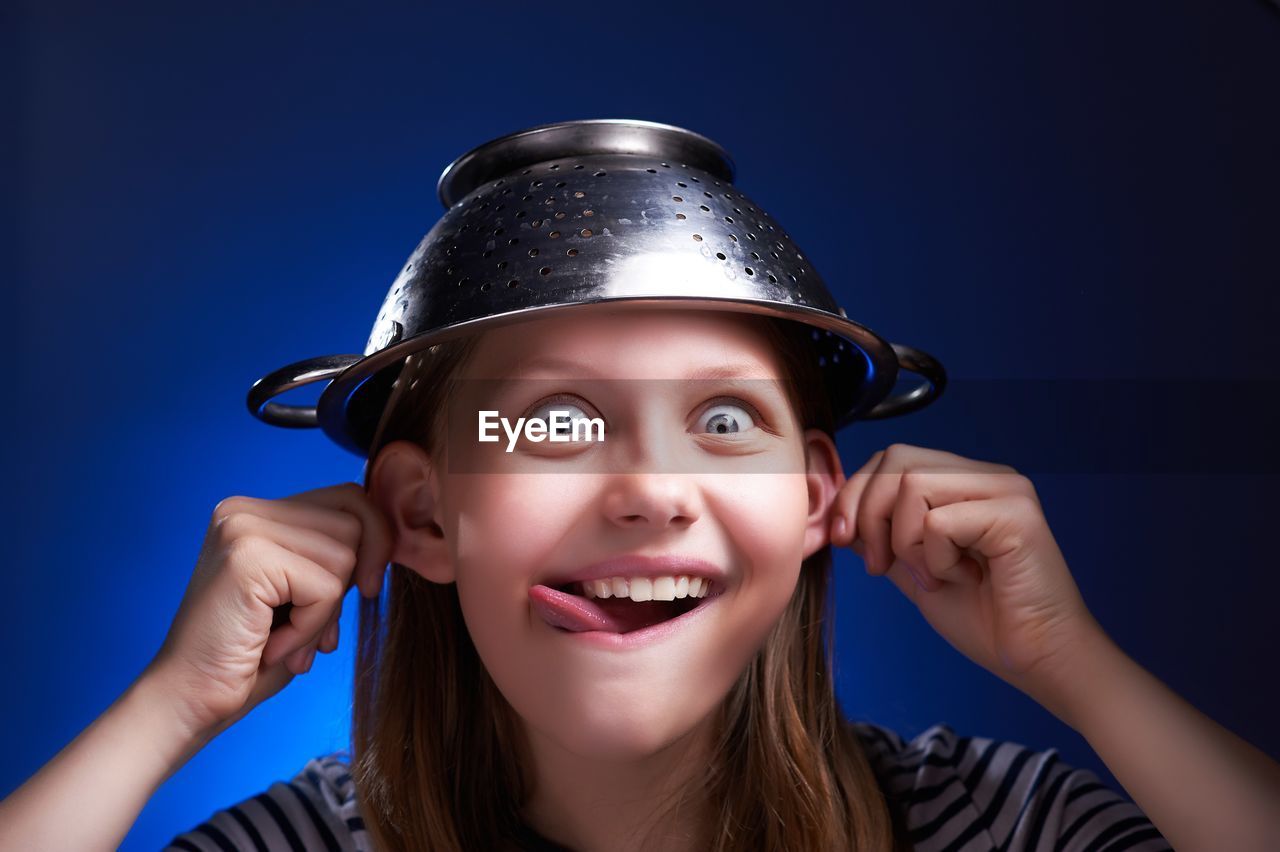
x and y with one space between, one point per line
657 500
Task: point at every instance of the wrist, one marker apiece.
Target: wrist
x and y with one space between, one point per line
1077 684
174 739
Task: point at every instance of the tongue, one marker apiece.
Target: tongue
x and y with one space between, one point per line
609 615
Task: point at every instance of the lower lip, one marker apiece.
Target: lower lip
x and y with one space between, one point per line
642 637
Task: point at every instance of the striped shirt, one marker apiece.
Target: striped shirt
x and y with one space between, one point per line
959 794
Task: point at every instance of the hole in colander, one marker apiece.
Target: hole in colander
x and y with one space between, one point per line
533 252
588 212
579 194
705 207
586 232
772 280
681 216
579 166
572 252
554 167
513 241
733 237
698 237
664 165
681 184
546 270
537 183
560 215
652 171
559 184
749 270
502 264
513 282
676 198
554 235
484 286
600 173
720 255
729 219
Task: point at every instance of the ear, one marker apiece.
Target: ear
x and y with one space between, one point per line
404 485
824 477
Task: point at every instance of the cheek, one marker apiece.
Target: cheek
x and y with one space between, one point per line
505 529
766 517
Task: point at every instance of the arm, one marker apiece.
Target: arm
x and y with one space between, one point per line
967 542
90 794
1203 787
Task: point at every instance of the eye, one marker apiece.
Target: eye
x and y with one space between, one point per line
726 417
568 412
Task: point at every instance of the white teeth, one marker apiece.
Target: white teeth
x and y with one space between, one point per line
664 588
668 588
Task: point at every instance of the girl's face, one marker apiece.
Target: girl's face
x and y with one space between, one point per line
664 481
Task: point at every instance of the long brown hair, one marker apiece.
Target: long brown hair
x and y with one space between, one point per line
436 748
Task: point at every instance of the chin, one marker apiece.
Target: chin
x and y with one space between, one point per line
611 733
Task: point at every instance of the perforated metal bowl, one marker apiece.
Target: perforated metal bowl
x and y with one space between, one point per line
580 215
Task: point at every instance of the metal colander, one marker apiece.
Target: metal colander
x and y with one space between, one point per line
583 214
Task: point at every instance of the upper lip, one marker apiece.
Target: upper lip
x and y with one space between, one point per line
638 565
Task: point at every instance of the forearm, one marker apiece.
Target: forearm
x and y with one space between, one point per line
89 795
1202 786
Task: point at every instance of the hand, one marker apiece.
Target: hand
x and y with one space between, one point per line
285 564
968 544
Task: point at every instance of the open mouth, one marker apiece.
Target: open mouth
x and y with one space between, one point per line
566 607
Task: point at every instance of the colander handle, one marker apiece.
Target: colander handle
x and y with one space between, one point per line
917 361
287 378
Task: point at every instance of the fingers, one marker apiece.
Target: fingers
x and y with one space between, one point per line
276 575
337 557
844 530
376 540
343 512
889 497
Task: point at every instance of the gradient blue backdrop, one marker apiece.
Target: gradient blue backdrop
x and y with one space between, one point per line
1081 190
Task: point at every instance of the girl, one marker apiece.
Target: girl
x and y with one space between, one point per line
616 642
504 700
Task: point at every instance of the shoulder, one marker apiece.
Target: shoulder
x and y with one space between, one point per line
316 809
969 792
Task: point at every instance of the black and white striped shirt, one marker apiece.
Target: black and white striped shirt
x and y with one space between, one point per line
960 794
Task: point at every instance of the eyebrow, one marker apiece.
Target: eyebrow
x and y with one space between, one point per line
710 372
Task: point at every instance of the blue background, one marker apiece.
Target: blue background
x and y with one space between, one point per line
1029 191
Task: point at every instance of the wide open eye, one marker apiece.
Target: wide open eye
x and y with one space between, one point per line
726 417
565 414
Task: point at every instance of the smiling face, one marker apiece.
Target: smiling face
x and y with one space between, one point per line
711 470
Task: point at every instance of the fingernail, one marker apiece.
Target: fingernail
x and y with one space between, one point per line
840 526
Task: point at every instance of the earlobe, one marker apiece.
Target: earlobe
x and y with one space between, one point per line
823 476
403 484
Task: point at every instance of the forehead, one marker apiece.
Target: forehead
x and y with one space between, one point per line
632 342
